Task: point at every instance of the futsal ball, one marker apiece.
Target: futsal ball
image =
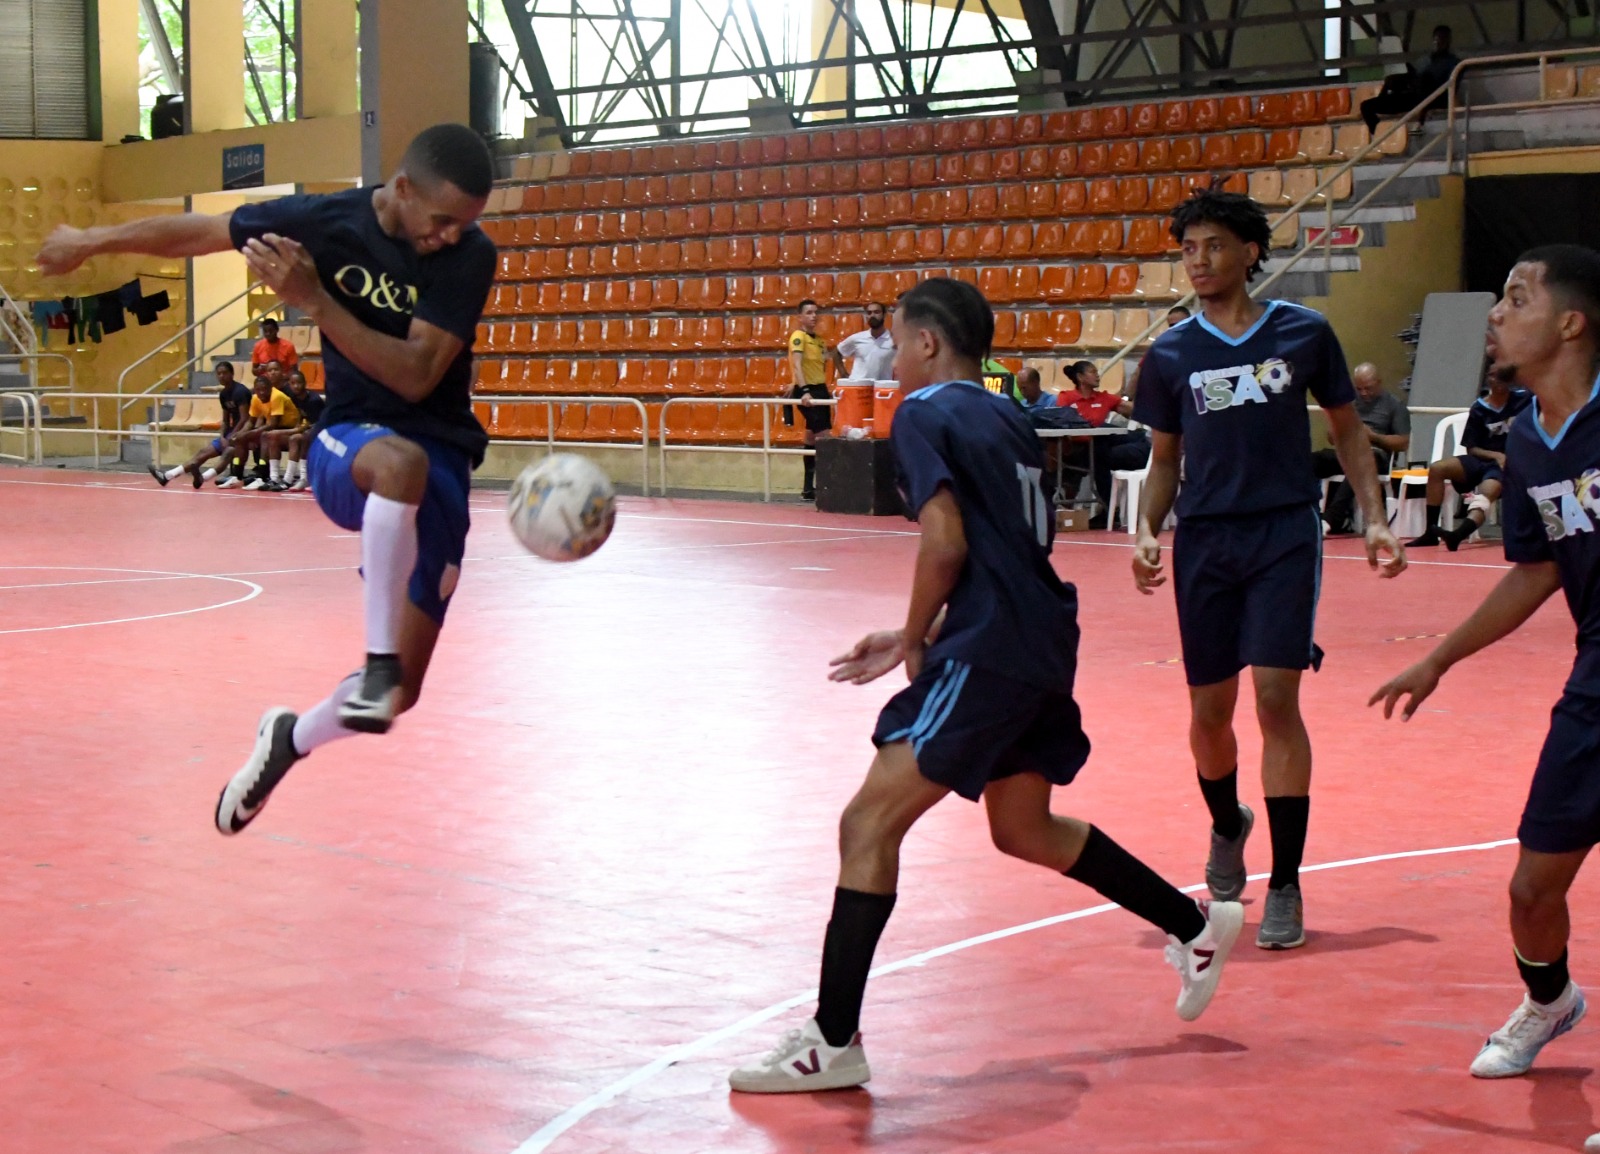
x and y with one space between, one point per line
562 508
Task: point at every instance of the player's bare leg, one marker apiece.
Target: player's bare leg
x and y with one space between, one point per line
1540 926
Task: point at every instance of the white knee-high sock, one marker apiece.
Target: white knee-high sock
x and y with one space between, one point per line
320 724
388 555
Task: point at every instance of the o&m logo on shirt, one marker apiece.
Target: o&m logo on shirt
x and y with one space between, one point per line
1568 507
379 291
1217 389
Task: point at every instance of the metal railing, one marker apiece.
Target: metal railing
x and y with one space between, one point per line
1455 104
198 326
550 440
766 448
30 429
1329 181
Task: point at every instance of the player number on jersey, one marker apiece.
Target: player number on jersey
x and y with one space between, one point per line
1035 511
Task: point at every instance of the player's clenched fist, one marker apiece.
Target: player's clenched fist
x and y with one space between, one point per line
1147 568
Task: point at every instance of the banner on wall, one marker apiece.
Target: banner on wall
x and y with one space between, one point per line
244 166
1507 215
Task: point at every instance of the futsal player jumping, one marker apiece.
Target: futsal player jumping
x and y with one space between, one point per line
395 277
991 645
1224 393
1544 334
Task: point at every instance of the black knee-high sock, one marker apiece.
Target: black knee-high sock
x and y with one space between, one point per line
1546 981
810 482
1433 518
853 931
1109 870
1288 817
1222 799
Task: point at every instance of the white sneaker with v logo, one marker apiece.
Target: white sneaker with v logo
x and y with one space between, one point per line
803 1061
1199 963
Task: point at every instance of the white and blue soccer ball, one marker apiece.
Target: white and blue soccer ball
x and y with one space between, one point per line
562 508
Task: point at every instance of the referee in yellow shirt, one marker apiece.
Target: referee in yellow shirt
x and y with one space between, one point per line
808 361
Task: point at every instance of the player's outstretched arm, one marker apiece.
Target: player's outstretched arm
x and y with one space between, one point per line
1510 603
1160 491
1354 446
941 556
410 366
184 234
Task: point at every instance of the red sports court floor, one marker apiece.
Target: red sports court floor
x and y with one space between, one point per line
581 878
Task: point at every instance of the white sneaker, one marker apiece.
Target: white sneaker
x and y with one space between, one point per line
254 485
300 485
1512 1048
1592 1143
803 1061
229 482
1199 963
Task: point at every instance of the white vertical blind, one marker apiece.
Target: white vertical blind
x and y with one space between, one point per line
44 63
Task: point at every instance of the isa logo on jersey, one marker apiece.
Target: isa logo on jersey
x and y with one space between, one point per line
1568 507
1217 389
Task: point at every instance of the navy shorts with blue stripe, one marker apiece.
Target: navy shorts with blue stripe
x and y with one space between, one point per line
1562 814
1247 591
442 520
1475 471
968 727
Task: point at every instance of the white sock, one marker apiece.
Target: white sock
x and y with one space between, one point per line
291 471
208 474
388 555
272 468
175 471
320 724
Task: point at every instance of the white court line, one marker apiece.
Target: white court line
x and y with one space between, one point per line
1166 547
569 1118
254 592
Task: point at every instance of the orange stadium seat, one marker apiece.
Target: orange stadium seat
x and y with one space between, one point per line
1065 327
1055 282
1123 281
1094 159
1033 329
1088 283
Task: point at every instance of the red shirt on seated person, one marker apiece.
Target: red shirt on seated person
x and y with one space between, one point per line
1093 403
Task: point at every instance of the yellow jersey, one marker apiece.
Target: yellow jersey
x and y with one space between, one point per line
284 413
813 356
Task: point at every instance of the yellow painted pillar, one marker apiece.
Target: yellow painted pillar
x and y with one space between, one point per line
832 83
119 69
213 65
414 74
217 279
326 53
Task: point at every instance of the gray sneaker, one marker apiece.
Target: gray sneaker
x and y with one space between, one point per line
1283 925
1225 872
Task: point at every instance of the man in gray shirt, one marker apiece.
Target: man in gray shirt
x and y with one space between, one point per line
1388 428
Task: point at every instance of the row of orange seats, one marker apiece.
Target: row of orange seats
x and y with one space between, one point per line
728 423
999 284
1218 153
1201 114
1033 199
1028 328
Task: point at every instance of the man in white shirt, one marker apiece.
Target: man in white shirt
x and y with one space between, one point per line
871 351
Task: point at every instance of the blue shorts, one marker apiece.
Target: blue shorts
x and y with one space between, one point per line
1247 591
1563 809
1475 471
970 726
218 444
442 521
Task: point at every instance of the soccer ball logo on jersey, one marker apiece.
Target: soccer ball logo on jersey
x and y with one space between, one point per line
1217 389
1568 507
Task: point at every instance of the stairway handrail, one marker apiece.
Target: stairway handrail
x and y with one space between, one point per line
183 334
1360 157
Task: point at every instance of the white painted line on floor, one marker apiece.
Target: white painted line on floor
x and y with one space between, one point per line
254 591
565 1121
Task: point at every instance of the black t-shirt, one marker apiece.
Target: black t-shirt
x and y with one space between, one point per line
1240 405
1009 612
235 401
311 405
385 282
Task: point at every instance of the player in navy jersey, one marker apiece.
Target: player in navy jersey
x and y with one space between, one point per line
1224 392
395 277
1478 472
990 645
1545 335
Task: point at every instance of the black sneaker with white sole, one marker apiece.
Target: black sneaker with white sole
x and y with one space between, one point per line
376 701
273 756
161 477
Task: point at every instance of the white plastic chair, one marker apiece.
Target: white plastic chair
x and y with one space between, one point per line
1446 443
1126 487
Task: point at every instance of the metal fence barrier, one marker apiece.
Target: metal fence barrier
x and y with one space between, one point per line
766 448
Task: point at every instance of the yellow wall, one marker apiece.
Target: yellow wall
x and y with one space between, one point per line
410 78
327 84
214 43
298 152
119 69
218 278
